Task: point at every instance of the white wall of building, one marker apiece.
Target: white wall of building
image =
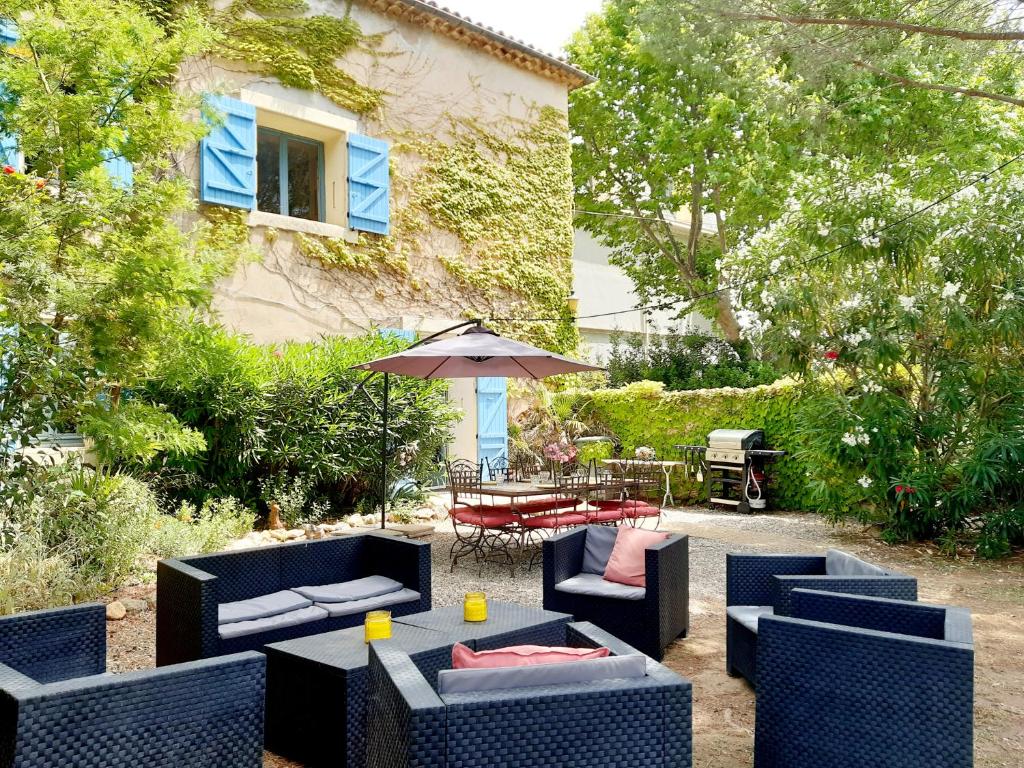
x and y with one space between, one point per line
603 287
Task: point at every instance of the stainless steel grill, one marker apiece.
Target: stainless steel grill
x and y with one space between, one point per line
733 467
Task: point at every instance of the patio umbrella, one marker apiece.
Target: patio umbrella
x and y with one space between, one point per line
477 352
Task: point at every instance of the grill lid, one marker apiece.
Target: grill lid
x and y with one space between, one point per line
736 439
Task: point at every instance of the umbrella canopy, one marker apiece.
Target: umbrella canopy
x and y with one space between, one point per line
478 351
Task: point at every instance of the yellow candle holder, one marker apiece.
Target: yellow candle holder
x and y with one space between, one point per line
377 625
475 607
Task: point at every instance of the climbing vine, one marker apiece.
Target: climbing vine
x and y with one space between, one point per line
503 191
508 200
301 51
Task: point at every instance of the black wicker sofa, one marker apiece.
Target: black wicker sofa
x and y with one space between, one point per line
228 602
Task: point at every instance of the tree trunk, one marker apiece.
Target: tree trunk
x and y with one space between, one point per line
725 317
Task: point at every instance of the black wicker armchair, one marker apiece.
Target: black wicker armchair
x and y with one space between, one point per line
648 619
193 593
864 681
758 585
59 709
642 721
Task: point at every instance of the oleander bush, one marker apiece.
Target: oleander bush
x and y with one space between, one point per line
287 414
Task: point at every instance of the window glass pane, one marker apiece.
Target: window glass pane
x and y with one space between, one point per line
303 180
268 171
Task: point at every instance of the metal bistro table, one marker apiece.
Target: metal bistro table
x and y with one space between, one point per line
667 467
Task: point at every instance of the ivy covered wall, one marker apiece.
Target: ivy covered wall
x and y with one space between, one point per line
481 184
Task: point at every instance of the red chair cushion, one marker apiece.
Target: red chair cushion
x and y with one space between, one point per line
604 516
555 521
539 505
617 504
485 519
641 510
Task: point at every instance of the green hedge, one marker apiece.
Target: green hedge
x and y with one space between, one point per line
644 413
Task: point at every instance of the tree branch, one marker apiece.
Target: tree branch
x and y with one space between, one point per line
910 83
921 29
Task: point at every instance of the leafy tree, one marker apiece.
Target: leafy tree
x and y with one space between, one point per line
875 35
97 270
688 115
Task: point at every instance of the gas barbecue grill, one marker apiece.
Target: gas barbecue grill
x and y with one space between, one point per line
733 466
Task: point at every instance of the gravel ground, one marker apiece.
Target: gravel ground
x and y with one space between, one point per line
723 717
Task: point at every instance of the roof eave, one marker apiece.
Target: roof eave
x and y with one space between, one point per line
461 28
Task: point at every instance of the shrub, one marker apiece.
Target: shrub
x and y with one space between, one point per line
77 534
268 412
103 522
32 576
208 529
645 413
684 361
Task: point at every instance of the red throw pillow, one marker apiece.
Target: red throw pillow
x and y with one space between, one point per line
627 563
464 657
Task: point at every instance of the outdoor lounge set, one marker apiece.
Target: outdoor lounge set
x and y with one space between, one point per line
848 669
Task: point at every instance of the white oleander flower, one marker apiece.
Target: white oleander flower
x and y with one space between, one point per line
864 481
949 290
907 302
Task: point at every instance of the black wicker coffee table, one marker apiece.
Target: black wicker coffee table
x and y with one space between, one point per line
507 624
317 686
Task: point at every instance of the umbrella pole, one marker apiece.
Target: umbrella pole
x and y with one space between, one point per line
384 455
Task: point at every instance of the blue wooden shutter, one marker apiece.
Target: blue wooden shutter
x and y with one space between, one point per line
227 155
8 32
121 172
9 154
369 185
491 418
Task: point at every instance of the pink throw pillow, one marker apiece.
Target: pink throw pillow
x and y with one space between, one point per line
627 563
464 657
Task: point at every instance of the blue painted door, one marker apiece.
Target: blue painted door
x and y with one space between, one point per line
491 418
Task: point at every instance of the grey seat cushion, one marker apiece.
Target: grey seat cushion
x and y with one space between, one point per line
747 615
261 607
958 626
598 548
839 563
267 623
565 673
13 680
597 586
357 589
370 604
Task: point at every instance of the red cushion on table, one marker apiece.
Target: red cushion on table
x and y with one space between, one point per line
555 521
485 519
